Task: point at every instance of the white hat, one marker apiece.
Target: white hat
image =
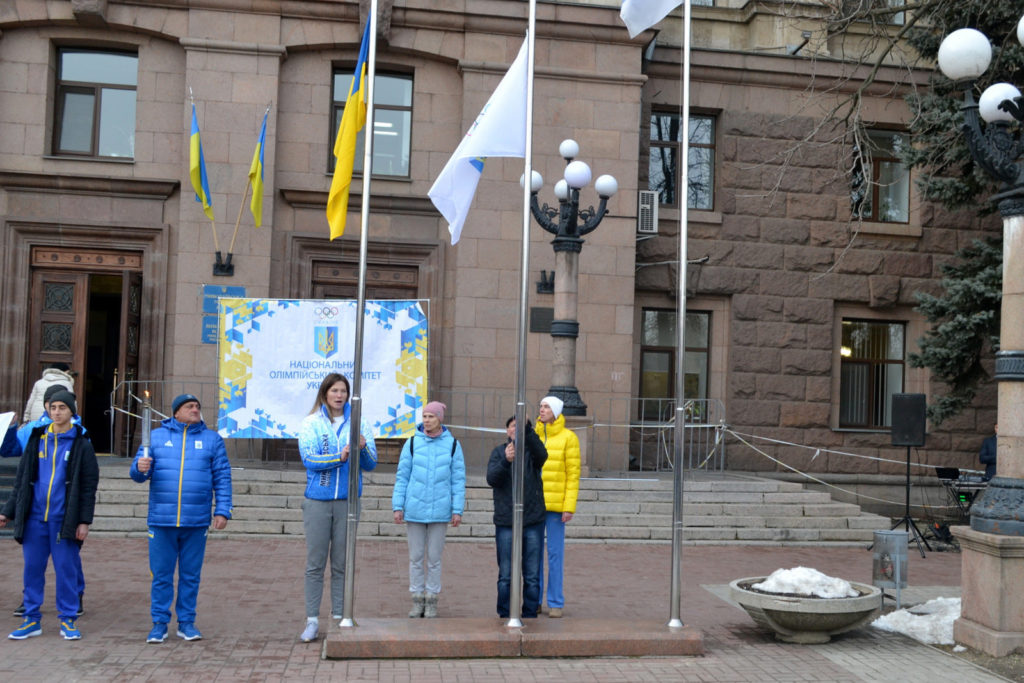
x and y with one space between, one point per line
554 403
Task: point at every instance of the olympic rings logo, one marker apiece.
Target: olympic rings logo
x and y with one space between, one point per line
326 312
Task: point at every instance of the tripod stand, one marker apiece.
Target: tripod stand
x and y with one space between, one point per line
912 530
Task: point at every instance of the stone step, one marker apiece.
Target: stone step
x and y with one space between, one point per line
609 510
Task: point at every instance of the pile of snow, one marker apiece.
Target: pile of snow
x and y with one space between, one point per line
806 581
931 622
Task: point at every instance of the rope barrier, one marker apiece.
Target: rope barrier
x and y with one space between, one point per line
923 506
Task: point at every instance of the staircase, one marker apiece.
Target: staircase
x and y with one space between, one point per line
717 509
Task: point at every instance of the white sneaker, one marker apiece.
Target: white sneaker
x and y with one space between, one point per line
311 631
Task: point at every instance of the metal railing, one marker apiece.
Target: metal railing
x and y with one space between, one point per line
636 435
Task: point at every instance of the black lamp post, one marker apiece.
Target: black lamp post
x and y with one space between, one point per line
568 224
992 608
963 57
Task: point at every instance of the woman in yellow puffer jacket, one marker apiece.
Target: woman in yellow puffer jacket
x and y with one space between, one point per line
561 477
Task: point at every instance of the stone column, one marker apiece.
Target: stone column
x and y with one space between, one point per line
992 612
564 327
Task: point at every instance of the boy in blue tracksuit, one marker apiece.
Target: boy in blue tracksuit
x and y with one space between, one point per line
22 436
187 467
52 507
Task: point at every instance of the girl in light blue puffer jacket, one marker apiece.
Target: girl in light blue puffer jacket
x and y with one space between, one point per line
324 448
430 493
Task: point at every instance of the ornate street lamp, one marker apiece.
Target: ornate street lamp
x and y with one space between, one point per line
568 224
991 617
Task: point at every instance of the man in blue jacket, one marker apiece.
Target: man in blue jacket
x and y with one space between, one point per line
187 467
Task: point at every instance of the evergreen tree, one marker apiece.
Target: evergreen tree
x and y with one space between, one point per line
965 317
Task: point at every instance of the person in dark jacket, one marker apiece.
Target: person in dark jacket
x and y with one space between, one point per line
499 477
186 467
52 507
987 456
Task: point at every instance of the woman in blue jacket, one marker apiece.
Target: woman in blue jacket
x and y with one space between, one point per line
430 492
324 447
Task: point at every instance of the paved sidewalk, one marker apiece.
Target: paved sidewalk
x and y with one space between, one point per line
250 612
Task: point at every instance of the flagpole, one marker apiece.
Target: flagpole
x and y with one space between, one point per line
238 221
680 417
356 401
519 464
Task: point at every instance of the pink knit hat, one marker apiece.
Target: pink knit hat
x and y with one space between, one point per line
436 408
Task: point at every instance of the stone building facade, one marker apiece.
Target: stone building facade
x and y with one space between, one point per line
113 237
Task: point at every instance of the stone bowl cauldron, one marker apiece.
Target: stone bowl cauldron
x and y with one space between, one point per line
803 619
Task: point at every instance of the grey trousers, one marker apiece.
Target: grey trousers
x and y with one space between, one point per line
325 524
426 543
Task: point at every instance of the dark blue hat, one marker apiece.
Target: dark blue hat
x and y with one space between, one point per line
181 400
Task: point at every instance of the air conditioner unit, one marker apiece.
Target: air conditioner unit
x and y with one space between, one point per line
647 212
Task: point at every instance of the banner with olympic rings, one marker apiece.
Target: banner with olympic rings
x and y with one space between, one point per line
275 352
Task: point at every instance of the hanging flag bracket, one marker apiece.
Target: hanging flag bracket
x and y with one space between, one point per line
223 267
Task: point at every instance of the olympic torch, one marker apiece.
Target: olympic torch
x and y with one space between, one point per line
147 422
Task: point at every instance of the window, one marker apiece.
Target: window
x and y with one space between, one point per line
392 123
881 183
871 371
666 149
658 359
95 108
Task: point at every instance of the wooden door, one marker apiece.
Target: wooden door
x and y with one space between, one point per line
128 364
58 324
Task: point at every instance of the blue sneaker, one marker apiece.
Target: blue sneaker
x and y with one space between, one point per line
188 631
28 629
69 630
158 634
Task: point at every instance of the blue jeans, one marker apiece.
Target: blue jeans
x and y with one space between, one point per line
554 527
533 546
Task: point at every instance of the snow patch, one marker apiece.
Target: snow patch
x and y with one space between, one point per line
806 581
931 622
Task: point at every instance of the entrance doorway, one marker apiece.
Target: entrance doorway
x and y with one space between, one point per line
85 312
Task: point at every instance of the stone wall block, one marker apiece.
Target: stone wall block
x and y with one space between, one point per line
781 335
752 307
859 262
739 227
744 332
840 287
782 283
760 204
908 265
816 259
804 415
808 311
828 234
742 385
804 362
718 280
753 413
784 231
781 388
757 360
819 389
819 336
884 290
758 255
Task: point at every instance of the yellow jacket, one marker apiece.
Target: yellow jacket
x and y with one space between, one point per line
561 473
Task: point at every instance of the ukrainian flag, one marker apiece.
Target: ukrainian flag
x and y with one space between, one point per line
197 168
352 121
256 175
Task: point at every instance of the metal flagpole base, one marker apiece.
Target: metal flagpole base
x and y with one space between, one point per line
514 623
675 623
347 623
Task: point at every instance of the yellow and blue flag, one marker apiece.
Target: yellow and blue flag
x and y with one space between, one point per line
197 168
256 175
352 121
